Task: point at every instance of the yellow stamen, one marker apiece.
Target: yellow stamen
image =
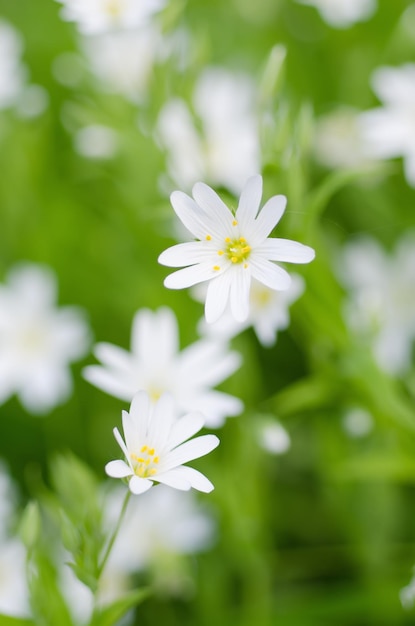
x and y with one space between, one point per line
156 459
234 259
151 451
144 449
245 265
220 252
227 240
216 268
208 238
152 472
234 223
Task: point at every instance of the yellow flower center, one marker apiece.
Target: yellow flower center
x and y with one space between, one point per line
113 8
237 250
145 463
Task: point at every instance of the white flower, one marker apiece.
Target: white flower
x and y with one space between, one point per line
382 302
389 131
170 523
273 437
226 150
231 248
123 61
156 365
37 341
407 594
338 141
343 13
357 422
96 142
12 72
156 446
13 589
97 16
268 312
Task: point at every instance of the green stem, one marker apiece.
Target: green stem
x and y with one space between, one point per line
115 533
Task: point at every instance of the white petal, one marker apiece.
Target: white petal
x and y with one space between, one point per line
155 338
196 479
113 383
208 362
249 202
186 427
187 254
269 274
118 469
217 406
190 214
239 294
140 413
214 207
160 423
112 356
190 276
286 250
174 478
217 296
267 219
190 450
121 443
139 485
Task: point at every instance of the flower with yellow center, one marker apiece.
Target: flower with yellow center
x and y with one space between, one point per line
231 248
156 445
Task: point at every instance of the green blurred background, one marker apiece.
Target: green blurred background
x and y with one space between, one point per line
324 535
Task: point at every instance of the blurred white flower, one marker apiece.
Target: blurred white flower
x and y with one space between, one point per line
7 501
407 594
389 131
226 149
231 248
37 340
343 13
273 437
12 71
268 312
170 522
156 445
156 365
123 61
357 422
382 298
338 142
96 142
13 590
97 16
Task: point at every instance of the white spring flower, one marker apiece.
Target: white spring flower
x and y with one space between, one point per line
382 299
231 249
156 445
343 13
97 16
389 131
226 149
37 340
123 61
12 72
156 365
268 312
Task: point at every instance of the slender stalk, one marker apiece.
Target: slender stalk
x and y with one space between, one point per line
115 533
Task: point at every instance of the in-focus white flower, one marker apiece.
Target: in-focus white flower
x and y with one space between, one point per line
389 131
97 16
231 249
170 523
157 445
343 13
37 340
156 365
226 149
268 312
12 71
123 61
338 142
382 298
